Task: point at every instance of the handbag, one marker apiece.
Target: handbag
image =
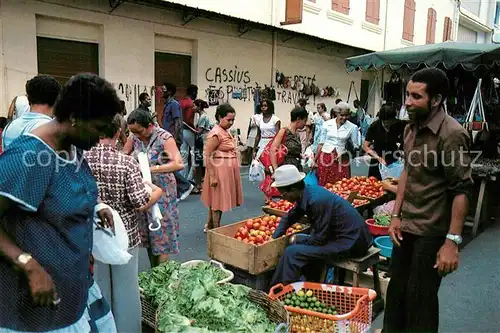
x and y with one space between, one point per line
265 157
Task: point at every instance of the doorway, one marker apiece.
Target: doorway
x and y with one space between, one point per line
173 68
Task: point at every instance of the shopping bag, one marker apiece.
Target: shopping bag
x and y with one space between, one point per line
256 171
108 247
393 170
311 178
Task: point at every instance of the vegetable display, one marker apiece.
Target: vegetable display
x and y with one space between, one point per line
259 230
368 187
283 205
382 220
307 301
189 300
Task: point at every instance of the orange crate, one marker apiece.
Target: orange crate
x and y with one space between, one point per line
353 305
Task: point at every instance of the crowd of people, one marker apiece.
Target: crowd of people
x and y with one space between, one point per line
66 150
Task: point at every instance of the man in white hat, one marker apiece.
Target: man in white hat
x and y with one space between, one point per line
337 229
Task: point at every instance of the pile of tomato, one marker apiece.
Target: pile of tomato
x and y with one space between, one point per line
368 187
283 205
259 230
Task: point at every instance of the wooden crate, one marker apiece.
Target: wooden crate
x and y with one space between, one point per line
254 259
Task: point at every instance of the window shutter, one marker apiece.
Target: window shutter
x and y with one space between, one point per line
447 29
293 12
409 20
372 11
341 6
431 26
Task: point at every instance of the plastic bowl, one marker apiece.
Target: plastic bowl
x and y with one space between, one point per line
377 230
384 243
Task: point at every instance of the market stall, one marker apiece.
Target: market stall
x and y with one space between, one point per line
473 70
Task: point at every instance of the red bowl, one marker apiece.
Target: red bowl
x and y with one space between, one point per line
376 230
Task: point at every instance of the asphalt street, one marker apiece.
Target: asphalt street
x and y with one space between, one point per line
469 298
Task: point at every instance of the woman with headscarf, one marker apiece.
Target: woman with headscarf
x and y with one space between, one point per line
222 190
47 200
164 159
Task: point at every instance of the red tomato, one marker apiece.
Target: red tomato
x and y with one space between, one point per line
264 223
239 238
249 224
262 228
259 239
256 225
244 233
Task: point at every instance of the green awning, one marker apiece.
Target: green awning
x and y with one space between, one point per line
470 56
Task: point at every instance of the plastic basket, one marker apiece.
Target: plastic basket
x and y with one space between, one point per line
353 305
230 275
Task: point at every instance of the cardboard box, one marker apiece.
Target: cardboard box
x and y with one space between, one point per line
254 259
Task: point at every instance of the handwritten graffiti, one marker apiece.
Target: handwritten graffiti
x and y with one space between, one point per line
294 81
289 96
226 75
129 93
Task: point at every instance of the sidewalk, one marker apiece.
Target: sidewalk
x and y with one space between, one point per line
470 298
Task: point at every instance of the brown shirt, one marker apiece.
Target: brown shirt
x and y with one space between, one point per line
438 168
120 184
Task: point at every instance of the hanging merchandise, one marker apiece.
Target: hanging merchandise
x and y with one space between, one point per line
480 125
331 92
244 94
236 94
272 94
307 90
392 89
300 86
293 84
314 90
323 92
352 86
280 77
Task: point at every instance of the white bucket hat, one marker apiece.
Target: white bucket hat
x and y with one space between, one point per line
287 175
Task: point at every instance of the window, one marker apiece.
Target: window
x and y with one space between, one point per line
62 59
293 12
447 29
341 6
431 26
372 11
409 20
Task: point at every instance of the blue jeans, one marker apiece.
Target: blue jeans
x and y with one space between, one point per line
187 153
182 183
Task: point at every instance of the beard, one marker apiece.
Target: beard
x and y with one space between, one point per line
418 114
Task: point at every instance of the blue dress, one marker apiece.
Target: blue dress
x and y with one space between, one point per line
54 202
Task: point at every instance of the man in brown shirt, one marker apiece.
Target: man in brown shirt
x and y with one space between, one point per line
431 206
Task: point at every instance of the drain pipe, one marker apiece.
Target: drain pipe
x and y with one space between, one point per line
385 23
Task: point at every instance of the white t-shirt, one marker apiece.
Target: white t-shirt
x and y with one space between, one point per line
24 124
267 130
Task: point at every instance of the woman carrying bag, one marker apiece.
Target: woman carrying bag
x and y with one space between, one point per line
285 148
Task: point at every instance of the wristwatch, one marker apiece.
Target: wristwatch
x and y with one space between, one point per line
396 216
24 258
457 239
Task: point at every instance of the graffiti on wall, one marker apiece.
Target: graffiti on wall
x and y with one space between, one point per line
129 93
236 83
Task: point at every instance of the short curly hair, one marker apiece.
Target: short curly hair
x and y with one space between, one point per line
42 89
87 96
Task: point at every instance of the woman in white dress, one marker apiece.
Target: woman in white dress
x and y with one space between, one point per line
268 125
253 130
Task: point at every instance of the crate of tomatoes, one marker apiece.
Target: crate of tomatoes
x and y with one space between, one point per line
278 208
248 244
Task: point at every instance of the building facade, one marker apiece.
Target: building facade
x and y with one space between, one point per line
476 20
228 49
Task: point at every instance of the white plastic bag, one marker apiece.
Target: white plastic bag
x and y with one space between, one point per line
110 248
393 170
146 175
256 171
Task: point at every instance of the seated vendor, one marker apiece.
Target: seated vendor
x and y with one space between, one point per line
337 229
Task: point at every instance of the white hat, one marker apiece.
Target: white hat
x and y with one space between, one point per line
287 175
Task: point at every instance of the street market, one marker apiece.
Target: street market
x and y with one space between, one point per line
281 166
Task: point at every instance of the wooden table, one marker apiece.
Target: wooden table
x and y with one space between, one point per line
486 172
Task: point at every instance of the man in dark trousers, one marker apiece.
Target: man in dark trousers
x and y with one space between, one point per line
337 229
172 122
431 206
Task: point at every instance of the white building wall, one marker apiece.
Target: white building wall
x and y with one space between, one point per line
129 37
